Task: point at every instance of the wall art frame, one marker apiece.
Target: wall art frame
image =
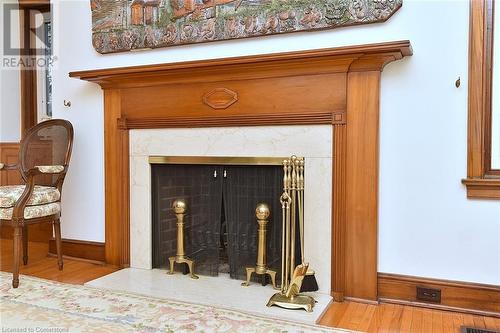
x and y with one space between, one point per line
124 25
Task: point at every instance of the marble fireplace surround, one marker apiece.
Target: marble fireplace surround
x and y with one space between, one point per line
312 142
337 88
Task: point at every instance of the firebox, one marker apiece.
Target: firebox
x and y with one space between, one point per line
221 194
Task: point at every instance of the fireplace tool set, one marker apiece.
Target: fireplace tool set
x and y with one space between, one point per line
292 204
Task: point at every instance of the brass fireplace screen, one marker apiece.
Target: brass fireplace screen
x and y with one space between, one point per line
221 193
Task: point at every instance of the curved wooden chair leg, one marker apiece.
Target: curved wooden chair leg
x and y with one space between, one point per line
25 245
17 249
57 232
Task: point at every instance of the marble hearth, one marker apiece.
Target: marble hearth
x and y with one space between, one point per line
313 142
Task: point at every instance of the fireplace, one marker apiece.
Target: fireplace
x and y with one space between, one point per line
220 225
148 153
337 88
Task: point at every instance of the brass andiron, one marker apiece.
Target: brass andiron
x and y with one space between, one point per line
292 276
262 213
179 207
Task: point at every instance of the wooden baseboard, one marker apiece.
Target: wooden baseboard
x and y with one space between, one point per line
361 300
77 249
457 296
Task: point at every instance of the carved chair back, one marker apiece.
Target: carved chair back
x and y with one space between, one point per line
46 144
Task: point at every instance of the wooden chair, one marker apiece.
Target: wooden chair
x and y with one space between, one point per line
43 162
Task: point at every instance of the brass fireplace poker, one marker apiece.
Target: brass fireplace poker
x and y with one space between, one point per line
179 207
262 213
292 276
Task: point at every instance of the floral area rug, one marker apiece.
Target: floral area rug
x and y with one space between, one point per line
46 306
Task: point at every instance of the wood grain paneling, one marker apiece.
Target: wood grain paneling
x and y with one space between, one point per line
480 104
9 154
469 297
339 211
296 94
36 233
116 164
306 87
78 250
313 118
477 97
361 231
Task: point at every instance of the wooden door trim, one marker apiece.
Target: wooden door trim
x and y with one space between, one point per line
344 93
482 182
29 115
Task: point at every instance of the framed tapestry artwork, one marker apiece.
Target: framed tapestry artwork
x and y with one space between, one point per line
124 25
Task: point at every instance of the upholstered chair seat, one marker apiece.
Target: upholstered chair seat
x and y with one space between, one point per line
31 212
41 195
42 202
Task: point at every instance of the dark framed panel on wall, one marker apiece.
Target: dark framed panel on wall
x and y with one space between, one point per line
29 101
483 176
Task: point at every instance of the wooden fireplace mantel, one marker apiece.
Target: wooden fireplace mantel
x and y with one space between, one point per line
338 86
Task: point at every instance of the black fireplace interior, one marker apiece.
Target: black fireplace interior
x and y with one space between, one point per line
220 225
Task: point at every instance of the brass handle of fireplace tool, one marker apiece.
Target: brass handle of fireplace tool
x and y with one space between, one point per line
180 207
292 276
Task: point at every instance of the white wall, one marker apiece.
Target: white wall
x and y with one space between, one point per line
427 226
10 87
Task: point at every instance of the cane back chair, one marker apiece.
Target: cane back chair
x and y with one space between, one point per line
43 161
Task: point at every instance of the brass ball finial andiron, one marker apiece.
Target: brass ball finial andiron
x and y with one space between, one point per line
262 213
180 207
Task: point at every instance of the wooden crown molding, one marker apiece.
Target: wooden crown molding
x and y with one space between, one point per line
339 59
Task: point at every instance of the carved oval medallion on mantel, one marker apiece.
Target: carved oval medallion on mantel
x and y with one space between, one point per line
220 98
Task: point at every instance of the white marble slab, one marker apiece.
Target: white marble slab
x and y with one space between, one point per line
221 292
312 142
274 141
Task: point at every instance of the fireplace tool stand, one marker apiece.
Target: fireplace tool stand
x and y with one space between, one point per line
262 213
179 207
292 276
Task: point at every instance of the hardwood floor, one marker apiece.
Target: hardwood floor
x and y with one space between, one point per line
399 318
42 266
348 315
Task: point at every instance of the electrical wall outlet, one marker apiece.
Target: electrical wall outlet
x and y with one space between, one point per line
429 295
